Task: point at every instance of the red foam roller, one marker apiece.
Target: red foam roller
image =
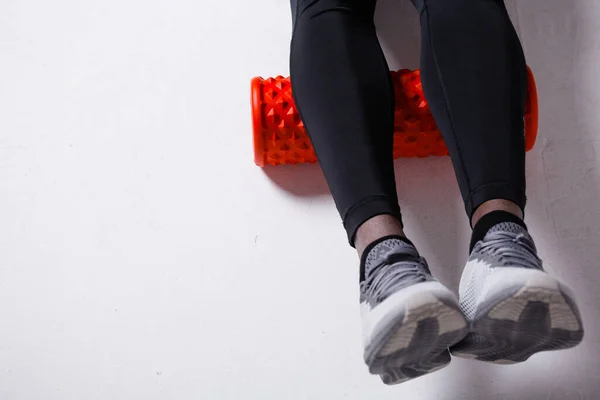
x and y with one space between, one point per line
280 136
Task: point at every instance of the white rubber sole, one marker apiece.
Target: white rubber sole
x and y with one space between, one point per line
523 312
408 335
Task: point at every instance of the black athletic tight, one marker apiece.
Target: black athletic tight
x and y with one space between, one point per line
474 77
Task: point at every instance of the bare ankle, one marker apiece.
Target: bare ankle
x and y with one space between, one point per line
376 228
496 205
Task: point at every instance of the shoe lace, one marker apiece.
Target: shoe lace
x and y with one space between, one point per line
395 272
514 249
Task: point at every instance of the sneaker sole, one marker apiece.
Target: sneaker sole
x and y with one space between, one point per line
522 321
413 339
396 376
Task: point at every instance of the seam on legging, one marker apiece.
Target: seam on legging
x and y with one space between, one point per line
369 199
445 94
480 188
514 188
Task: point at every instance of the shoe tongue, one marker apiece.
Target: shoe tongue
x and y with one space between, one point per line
381 251
507 227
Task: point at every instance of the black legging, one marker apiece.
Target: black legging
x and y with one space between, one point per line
474 77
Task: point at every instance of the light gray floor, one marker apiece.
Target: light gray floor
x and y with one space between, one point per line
144 256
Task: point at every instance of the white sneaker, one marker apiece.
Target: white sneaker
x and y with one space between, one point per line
409 318
514 308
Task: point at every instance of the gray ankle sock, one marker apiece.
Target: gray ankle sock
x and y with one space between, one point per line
380 248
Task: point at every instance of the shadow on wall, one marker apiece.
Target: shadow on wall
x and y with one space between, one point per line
304 180
399 33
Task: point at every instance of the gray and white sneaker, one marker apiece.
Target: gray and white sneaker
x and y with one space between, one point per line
514 308
409 318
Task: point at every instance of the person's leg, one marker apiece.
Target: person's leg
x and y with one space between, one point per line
344 93
475 80
342 87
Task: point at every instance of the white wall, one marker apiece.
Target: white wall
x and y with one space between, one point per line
144 256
